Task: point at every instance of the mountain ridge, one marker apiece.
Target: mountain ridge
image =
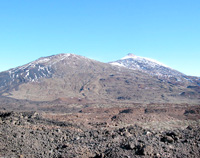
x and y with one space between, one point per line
155 68
132 61
68 75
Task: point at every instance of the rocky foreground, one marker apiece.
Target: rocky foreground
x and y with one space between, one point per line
31 134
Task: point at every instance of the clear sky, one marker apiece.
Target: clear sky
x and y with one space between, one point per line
105 30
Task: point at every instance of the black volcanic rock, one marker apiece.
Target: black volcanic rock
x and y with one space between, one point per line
29 134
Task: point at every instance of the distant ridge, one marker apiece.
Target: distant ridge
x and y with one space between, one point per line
131 79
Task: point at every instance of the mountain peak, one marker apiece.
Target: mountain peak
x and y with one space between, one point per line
147 65
70 75
143 59
129 55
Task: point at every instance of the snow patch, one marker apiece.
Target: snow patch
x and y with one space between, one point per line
43 60
134 57
157 62
118 64
27 74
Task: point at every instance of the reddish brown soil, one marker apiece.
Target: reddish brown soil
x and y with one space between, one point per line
115 116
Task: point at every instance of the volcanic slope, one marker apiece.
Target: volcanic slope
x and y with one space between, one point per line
161 72
155 68
72 77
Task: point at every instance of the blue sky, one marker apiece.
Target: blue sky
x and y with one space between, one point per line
105 30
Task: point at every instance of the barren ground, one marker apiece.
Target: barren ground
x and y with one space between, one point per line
95 131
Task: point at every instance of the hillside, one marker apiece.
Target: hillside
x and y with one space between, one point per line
155 68
73 78
71 106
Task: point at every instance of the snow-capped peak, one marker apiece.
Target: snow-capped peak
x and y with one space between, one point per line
48 61
132 56
52 59
45 67
146 65
39 68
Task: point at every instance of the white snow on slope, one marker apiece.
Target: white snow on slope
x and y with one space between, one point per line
117 64
149 66
138 58
42 67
